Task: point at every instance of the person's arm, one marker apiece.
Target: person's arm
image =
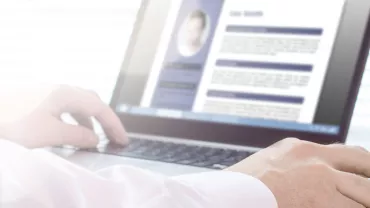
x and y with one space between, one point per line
36 178
30 115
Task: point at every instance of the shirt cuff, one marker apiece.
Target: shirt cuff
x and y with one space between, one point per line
230 189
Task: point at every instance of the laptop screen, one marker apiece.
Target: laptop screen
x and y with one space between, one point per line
260 63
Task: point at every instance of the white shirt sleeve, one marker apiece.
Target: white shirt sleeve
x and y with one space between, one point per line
37 178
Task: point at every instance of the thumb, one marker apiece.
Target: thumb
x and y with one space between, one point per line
78 136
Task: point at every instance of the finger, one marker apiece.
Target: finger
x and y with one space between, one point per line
354 187
84 103
112 125
83 121
345 202
92 92
78 136
349 159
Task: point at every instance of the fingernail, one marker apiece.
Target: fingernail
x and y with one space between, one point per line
122 141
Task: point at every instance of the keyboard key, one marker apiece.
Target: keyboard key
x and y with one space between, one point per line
202 164
210 152
219 166
186 162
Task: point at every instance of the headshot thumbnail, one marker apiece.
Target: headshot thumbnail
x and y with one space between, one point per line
193 33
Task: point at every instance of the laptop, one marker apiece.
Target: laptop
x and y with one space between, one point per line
207 83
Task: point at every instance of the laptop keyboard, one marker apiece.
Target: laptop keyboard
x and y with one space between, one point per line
168 152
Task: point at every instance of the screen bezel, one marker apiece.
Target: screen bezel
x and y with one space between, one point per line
224 133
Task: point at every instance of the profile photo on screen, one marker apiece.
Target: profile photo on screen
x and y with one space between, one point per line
193 33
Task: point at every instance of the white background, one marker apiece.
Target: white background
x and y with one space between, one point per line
82 42
79 42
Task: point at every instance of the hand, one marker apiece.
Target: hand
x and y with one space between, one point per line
307 175
42 126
